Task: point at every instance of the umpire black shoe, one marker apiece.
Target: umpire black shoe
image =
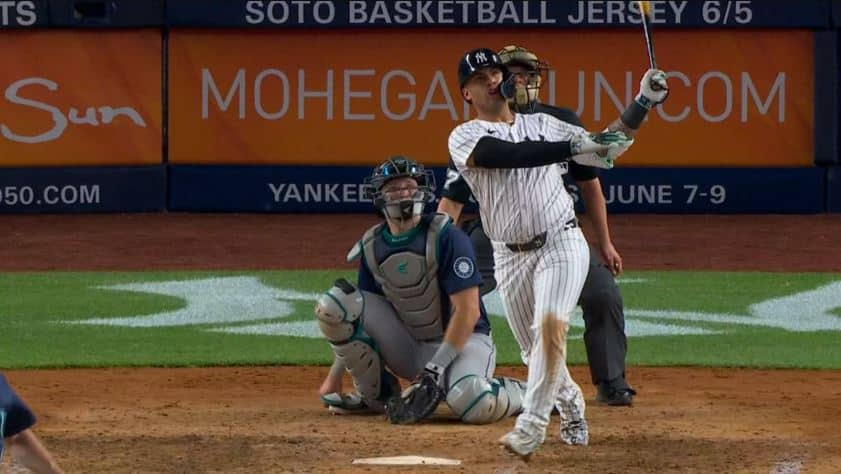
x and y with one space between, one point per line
615 397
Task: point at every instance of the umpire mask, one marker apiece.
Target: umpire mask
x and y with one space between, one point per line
400 188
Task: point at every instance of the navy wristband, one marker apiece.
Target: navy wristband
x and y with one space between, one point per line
635 114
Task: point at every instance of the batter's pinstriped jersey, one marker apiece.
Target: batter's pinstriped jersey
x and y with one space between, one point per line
516 204
539 288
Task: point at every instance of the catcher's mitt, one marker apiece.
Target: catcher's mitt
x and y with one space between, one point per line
417 402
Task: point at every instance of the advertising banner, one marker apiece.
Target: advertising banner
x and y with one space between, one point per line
490 13
836 13
834 189
334 98
23 14
81 98
715 191
83 189
314 189
106 14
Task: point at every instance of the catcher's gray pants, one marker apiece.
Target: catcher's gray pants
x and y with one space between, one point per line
406 357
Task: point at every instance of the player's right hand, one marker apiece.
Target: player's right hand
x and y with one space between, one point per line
653 88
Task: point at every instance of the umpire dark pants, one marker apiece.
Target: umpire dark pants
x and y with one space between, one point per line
601 302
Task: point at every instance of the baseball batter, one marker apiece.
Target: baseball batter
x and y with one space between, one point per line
601 301
16 421
510 161
414 311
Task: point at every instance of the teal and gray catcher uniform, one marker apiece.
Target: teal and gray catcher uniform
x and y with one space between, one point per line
396 317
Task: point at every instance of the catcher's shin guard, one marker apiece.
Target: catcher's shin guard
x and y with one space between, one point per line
339 314
480 401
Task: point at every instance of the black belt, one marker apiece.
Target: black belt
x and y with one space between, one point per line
540 239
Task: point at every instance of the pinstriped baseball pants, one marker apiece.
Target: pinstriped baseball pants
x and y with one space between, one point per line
539 290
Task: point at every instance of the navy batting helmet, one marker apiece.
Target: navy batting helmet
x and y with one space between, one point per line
400 167
478 59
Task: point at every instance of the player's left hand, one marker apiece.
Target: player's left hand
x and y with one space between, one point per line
611 258
653 88
599 150
420 399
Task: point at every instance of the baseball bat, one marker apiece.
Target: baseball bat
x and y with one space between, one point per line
645 12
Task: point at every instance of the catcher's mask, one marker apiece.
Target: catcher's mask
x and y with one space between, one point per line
484 58
523 97
395 204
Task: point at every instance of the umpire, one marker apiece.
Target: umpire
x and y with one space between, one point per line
601 302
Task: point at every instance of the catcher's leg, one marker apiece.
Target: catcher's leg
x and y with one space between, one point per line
333 382
398 348
339 314
473 395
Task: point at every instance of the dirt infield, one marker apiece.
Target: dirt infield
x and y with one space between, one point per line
269 420
253 241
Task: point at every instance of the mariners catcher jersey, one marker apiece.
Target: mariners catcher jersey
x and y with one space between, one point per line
457 269
15 416
516 204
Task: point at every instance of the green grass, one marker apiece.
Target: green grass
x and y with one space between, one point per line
722 292
757 349
36 310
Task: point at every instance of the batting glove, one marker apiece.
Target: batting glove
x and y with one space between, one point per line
653 88
599 150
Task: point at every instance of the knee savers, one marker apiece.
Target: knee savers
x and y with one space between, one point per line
339 311
479 400
339 314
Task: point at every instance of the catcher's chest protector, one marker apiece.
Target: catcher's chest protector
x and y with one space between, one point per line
409 279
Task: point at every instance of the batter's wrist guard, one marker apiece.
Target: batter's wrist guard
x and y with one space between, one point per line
636 112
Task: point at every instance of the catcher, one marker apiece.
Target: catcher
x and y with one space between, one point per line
415 313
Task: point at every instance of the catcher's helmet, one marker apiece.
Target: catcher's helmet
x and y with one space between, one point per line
479 59
520 56
400 167
513 54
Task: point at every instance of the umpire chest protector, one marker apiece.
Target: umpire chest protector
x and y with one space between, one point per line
409 276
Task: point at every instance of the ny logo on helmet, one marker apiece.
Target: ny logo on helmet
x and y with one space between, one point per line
480 57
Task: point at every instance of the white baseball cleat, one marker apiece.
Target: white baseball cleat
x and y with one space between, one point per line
520 443
575 432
